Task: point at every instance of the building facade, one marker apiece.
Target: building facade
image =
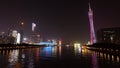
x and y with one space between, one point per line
109 35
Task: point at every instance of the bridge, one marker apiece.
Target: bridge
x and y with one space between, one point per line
47 43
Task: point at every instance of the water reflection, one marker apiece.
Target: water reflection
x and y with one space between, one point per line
48 52
60 50
13 58
94 60
109 57
77 49
37 54
32 58
97 57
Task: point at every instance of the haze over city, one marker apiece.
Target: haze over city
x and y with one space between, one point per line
67 20
59 34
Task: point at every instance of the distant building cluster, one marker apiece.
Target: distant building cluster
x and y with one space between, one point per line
18 37
109 35
12 37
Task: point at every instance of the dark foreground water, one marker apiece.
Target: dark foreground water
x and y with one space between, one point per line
57 57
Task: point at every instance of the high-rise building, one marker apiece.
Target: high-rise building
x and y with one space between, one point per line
18 38
21 31
33 26
14 33
109 35
92 32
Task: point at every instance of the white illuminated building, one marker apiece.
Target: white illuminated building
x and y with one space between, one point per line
33 26
54 42
14 33
18 38
59 42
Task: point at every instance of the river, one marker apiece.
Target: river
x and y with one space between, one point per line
57 56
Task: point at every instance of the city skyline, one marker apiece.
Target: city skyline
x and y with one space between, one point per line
59 19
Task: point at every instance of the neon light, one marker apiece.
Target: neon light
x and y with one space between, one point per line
92 33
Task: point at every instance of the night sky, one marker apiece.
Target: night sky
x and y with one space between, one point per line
63 19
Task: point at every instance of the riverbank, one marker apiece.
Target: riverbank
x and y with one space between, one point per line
18 46
105 48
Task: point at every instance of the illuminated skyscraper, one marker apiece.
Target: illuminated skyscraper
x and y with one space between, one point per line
92 33
33 26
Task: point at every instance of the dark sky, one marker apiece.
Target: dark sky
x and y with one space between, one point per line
63 19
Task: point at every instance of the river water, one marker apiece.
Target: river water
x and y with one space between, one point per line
58 57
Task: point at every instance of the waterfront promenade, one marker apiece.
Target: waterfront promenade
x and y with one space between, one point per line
105 48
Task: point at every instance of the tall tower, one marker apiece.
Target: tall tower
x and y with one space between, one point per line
92 33
21 31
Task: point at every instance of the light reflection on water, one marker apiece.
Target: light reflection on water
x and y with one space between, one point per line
13 58
31 58
94 60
